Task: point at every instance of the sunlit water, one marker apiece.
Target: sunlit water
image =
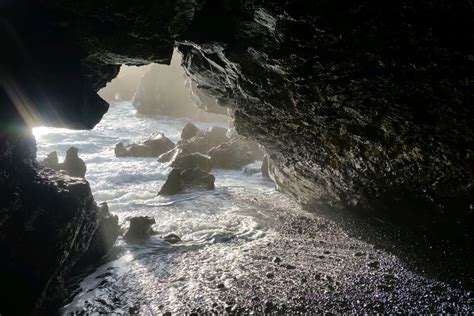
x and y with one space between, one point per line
243 246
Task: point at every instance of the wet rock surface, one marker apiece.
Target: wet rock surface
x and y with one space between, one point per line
189 131
179 181
231 155
191 161
72 164
204 140
103 239
47 221
140 229
156 145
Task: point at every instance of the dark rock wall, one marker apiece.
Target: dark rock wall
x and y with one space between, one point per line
46 223
363 105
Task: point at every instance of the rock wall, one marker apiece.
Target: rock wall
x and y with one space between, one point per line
46 224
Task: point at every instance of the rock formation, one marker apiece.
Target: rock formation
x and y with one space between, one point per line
204 140
161 91
179 181
231 155
140 229
104 237
72 164
189 131
47 221
191 161
156 145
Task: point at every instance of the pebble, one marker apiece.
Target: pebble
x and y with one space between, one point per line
220 286
276 260
374 264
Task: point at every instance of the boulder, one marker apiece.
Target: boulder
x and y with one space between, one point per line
205 140
189 131
156 145
120 150
159 144
72 164
255 148
51 161
171 154
139 229
191 161
266 167
186 180
103 238
231 155
172 238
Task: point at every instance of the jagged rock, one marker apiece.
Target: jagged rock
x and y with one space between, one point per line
120 150
51 161
191 161
171 154
265 166
139 229
72 164
159 144
103 238
172 238
254 147
156 145
47 222
186 180
231 155
189 131
204 140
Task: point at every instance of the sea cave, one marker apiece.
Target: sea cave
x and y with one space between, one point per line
236 157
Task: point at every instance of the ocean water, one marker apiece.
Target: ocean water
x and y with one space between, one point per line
245 247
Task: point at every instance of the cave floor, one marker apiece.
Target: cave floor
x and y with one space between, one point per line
303 263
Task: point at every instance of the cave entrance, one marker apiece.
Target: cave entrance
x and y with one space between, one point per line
190 226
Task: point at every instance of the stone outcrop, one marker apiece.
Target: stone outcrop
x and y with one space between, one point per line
204 140
189 131
156 145
104 237
231 155
179 181
191 161
47 221
72 164
140 229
